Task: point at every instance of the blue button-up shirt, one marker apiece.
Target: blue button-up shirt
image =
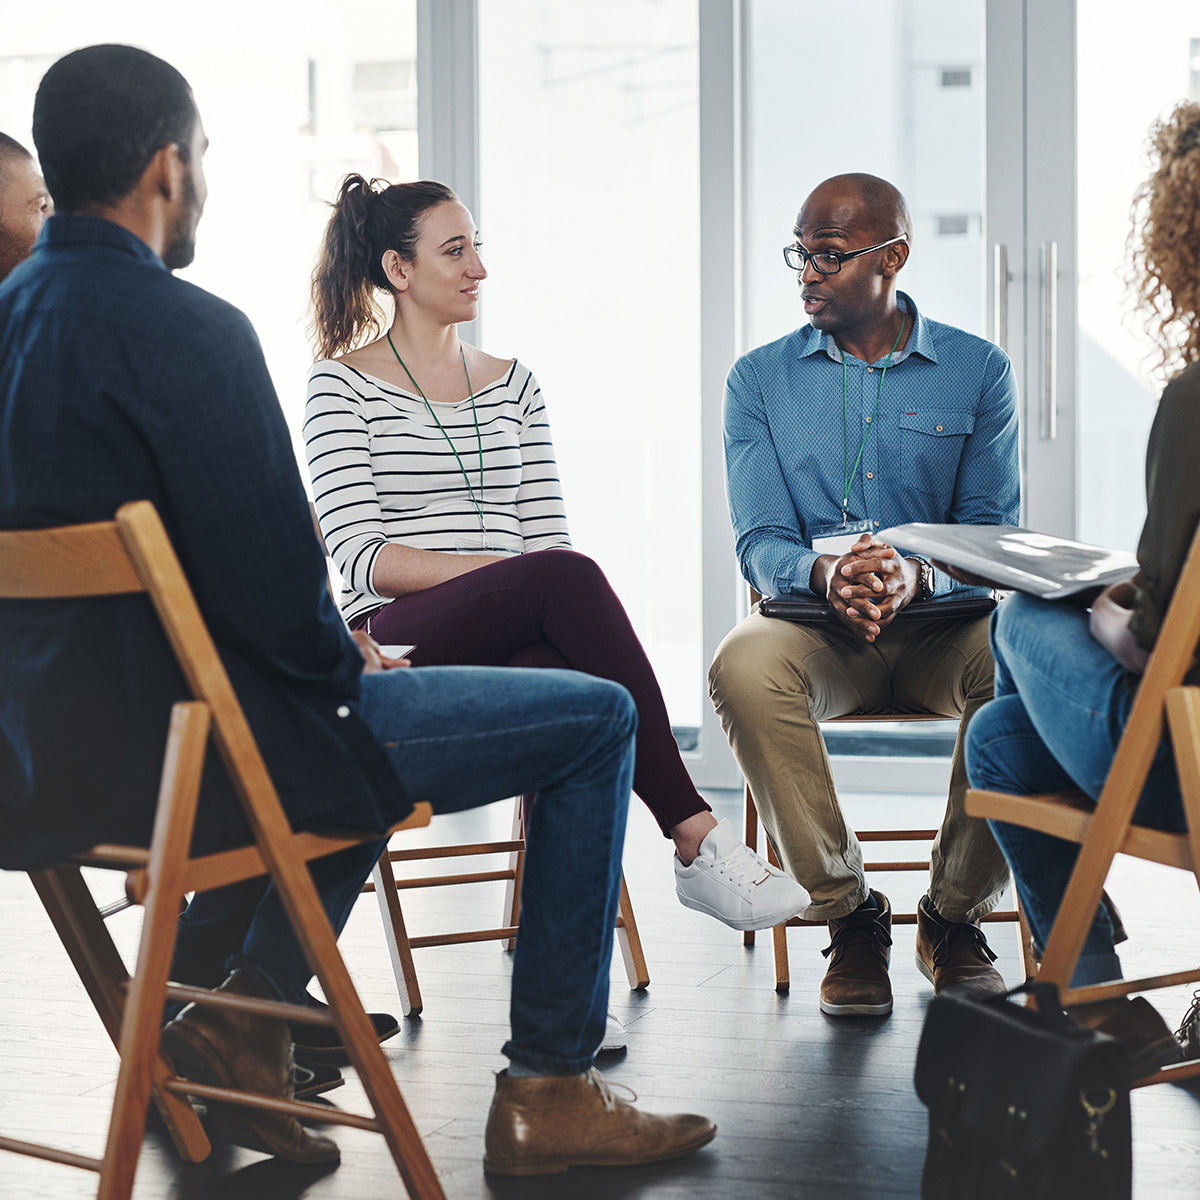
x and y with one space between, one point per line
942 446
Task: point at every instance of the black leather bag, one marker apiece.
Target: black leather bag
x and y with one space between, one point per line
1024 1104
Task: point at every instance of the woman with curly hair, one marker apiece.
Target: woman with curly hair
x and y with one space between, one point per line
1066 678
436 488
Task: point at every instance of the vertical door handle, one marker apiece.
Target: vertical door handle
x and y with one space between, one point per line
1000 282
1049 414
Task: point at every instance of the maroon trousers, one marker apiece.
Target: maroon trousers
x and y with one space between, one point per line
553 608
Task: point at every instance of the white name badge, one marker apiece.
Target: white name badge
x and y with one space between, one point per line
837 539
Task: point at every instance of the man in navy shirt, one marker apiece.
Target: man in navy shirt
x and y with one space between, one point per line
121 382
869 416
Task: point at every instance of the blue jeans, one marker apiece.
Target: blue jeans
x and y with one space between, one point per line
460 737
1061 704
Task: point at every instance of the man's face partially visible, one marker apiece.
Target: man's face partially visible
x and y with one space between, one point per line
181 245
24 206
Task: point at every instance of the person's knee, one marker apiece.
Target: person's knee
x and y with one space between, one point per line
985 756
610 702
566 569
748 665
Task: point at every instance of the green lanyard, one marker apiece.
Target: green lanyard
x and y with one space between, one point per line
453 450
848 472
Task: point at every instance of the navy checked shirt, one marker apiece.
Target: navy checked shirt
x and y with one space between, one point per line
120 382
942 448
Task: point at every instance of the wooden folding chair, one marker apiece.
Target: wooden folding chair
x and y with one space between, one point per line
130 555
387 887
779 932
1106 829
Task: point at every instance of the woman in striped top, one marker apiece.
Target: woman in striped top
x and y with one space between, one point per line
437 492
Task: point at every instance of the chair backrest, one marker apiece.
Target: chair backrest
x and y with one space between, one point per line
127 555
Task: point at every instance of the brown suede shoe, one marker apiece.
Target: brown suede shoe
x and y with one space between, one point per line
955 953
244 1050
1138 1026
856 982
545 1124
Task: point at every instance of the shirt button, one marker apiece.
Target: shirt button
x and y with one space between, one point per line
939 428
870 474
868 420
876 524
343 710
870 370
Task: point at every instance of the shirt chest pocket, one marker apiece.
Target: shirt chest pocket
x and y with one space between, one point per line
931 445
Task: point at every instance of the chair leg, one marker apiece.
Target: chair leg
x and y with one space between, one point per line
315 934
783 974
1028 959
516 864
630 942
72 911
143 1009
751 820
395 933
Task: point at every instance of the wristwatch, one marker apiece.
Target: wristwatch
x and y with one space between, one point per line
924 577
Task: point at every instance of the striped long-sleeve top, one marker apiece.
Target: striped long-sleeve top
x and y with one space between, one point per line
382 471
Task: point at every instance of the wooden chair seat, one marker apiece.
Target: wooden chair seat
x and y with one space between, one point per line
1107 829
130 555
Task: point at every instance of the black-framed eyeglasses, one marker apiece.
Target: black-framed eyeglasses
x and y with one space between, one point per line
829 262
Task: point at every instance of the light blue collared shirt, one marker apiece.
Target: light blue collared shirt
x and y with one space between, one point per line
942 447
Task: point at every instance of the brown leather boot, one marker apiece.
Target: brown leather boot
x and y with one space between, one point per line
243 1050
856 982
547 1123
955 954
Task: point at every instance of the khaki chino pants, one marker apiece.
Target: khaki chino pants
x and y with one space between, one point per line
773 680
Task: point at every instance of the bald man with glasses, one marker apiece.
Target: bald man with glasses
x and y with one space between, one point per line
868 416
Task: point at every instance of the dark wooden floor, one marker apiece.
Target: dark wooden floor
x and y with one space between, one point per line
808 1107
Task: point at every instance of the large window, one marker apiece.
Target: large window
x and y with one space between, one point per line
291 99
589 209
1117 392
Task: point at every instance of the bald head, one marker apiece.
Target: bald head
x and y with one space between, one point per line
866 203
24 203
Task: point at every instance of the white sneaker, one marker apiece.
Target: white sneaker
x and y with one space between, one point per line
614 1034
729 881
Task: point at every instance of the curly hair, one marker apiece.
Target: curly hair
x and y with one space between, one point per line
1164 244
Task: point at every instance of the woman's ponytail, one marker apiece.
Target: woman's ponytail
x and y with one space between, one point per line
369 218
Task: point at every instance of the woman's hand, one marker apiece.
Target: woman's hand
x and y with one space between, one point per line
374 658
1109 625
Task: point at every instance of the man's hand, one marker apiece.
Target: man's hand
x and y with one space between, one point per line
1109 625
374 658
867 586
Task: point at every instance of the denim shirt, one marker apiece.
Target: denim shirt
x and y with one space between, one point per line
942 446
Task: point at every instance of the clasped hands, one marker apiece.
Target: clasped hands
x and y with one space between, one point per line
867 586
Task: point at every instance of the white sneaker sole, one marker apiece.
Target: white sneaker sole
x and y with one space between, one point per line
923 968
856 1010
742 924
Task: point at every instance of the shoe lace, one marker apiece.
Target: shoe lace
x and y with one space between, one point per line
962 929
865 929
1188 1033
606 1090
743 867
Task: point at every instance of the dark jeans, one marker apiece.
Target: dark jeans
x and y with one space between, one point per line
552 608
460 737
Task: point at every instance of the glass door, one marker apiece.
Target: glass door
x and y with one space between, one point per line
1117 388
